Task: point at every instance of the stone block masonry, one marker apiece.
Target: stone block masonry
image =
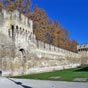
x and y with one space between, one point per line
83 51
26 54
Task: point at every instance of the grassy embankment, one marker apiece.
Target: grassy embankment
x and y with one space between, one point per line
63 75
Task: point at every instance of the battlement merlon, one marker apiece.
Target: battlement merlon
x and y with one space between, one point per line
7 18
83 47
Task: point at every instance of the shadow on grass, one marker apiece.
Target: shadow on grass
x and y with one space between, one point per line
19 83
85 69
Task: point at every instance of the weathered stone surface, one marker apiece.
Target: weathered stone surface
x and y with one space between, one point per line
21 53
83 51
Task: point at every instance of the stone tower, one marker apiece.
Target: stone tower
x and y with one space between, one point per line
83 51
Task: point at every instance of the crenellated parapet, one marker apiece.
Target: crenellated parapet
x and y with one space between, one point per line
83 51
16 18
20 29
83 47
53 49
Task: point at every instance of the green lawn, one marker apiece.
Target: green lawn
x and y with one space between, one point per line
63 75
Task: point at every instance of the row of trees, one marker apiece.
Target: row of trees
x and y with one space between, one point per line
45 28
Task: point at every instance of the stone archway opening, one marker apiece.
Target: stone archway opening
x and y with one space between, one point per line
0 73
23 52
23 60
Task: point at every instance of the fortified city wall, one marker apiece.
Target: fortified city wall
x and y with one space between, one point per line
23 54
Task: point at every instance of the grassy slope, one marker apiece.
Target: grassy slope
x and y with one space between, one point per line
65 75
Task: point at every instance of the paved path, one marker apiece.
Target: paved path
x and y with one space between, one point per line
27 83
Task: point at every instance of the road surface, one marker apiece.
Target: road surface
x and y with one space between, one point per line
28 83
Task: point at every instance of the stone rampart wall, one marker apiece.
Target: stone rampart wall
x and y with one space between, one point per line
30 55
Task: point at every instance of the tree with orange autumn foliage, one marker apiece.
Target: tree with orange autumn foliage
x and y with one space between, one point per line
40 24
22 6
45 28
1 5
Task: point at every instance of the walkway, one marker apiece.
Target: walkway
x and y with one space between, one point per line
27 83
